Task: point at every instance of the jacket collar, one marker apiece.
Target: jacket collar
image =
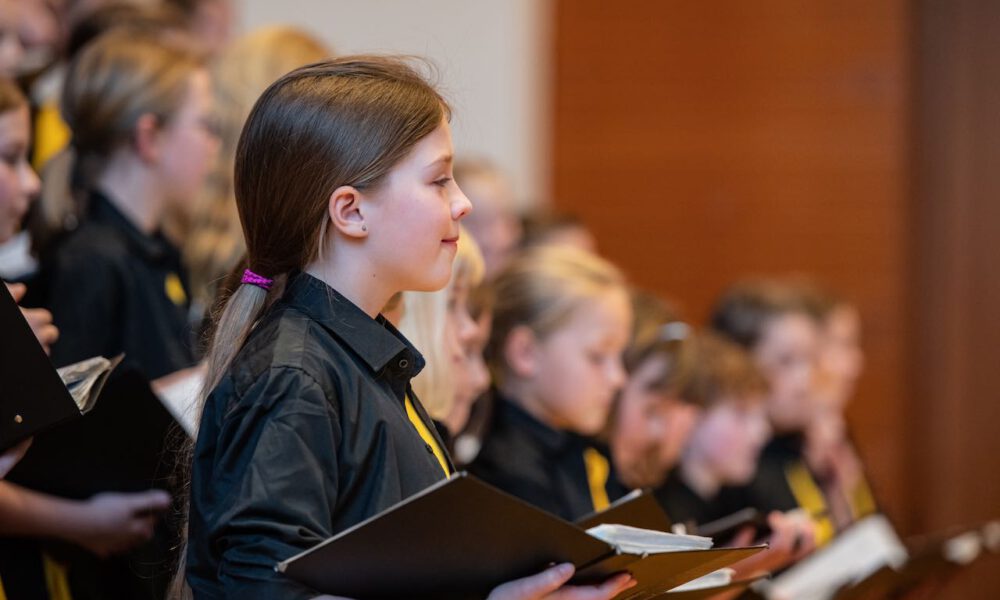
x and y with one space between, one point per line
153 247
375 341
552 441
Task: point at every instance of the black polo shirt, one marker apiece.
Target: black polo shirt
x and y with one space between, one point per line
306 435
112 288
684 505
770 490
541 465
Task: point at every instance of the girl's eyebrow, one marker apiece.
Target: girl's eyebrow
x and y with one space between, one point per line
445 159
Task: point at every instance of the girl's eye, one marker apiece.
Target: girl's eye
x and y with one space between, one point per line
443 181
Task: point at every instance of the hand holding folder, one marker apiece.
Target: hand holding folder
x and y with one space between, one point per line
39 319
462 538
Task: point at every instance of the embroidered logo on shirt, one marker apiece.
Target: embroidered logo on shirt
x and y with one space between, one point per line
175 289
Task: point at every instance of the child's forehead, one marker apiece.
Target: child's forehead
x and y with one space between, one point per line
599 317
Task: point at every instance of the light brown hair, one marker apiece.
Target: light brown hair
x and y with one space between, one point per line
116 79
541 289
718 370
745 309
11 96
214 243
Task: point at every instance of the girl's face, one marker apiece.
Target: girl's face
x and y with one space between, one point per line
786 354
841 359
18 182
466 338
578 368
728 439
189 144
412 218
11 47
652 426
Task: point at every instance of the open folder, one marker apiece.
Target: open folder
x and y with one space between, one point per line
638 509
34 396
462 537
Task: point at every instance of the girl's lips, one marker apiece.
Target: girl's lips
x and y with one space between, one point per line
453 240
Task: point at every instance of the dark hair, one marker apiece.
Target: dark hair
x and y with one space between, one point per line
717 369
745 309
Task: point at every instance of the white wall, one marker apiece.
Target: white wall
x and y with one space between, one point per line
492 56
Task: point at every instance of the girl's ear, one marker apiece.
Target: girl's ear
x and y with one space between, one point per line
521 351
145 138
346 213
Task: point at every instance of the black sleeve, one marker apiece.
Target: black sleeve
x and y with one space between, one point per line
83 298
268 485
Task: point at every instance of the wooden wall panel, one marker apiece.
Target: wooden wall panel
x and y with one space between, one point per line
852 140
955 453
704 142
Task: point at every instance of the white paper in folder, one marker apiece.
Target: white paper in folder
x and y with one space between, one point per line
857 552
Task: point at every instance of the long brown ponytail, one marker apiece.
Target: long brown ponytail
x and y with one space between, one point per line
346 121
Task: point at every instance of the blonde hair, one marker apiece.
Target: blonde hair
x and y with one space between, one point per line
214 243
116 79
541 289
423 323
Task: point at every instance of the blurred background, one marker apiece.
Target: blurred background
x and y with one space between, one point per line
856 142
702 142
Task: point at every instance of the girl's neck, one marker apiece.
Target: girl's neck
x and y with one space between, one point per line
521 393
699 477
133 190
346 270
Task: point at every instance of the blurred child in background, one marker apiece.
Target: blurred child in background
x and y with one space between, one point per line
561 321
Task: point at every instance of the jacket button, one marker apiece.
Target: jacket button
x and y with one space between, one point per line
404 363
429 449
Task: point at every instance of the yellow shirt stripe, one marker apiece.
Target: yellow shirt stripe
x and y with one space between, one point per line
425 435
56 579
810 497
51 134
598 471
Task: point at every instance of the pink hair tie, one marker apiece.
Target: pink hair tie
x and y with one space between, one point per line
255 279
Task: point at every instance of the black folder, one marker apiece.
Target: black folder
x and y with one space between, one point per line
123 445
33 398
637 509
118 447
461 537
727 527
740 585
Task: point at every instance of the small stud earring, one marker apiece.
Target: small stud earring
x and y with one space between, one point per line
364 228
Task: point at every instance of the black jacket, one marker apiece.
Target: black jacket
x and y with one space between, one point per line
684 505
305 436
112 288
543 466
